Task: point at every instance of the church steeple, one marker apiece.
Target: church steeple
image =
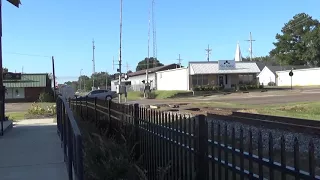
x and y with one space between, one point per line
238 55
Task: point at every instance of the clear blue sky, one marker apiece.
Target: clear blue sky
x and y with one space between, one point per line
65 30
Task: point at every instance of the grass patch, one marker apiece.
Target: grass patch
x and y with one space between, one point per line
304 110
135 95
16 116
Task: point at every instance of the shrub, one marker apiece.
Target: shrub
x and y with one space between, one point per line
46 97
38 110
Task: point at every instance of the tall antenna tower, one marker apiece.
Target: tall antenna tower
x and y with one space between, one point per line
147 75
93 63
154 33
250 48
208 53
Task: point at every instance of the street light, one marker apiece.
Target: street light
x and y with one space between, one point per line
80 79
2 88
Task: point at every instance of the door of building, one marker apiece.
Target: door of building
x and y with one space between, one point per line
221 80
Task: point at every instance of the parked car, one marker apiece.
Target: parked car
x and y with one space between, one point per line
102 94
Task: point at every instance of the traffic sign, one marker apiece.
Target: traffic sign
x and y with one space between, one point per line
291 73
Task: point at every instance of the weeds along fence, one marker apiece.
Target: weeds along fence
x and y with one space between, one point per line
176 147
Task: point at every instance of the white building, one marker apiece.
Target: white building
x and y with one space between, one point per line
137 77
209 73
173 79
267 76
301 77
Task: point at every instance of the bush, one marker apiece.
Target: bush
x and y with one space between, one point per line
38 110
46 97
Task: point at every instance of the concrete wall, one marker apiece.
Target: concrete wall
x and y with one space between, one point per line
266 76
301 77
173 79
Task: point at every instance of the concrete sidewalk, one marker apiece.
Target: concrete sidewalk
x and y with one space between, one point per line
32 151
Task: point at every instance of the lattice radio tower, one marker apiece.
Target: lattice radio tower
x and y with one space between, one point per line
154 33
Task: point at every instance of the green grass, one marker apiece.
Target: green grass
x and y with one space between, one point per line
305 110
16 116
135 95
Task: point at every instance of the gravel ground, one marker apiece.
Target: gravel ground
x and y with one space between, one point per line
289 136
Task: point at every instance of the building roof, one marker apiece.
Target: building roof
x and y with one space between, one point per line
213 68
28 80
153 70
273 69
261 65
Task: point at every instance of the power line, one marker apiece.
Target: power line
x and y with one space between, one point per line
23 54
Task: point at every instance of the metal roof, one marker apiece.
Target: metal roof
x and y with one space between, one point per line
213 68
284 68
28 80
153 70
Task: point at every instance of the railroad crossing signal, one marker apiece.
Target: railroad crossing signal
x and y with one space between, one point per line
291 73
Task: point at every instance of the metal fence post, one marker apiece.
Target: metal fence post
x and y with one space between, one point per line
87 108
76 108
136 131
81 115
202 172
95 109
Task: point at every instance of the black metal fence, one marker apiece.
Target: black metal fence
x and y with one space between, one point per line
172 146
71 139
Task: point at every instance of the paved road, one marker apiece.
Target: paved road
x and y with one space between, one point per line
31 151
271 97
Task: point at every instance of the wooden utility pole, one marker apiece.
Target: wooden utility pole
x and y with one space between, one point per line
250 50
179 61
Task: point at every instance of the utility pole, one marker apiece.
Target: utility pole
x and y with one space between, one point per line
93 64
120 57
106 79
54 77
22 70
127 66
179 61
80 78
208 53
250 49
2 87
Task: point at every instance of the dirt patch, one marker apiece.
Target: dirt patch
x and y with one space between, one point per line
295 108
193 109
253 111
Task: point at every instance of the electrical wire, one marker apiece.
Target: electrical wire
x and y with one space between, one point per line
22 54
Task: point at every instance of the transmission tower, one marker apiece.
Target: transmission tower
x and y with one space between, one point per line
154 33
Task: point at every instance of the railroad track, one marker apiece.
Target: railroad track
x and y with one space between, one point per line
296 125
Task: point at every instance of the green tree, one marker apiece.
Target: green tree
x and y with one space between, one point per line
153 62
5 70
299 42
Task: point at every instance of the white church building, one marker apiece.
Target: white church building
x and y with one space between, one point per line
225 73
